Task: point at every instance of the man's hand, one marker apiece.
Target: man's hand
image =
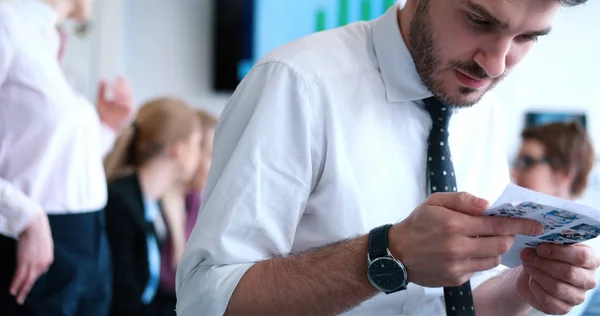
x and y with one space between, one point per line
35 253
117 111
445 240
555 278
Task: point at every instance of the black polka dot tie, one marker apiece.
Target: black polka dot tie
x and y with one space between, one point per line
459 301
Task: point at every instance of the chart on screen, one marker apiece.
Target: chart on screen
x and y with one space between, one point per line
279 22
246 30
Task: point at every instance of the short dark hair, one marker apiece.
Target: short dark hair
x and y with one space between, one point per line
568 146
572 3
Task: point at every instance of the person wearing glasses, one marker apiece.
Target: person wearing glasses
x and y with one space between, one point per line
557 159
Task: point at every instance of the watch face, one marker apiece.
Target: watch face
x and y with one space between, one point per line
387 274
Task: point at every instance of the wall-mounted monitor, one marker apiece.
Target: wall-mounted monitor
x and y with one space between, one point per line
545 117
245 30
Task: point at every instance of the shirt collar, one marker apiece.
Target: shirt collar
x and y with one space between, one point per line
400 78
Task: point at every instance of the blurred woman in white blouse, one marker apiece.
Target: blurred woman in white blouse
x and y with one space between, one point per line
55 257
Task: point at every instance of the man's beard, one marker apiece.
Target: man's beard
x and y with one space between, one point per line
425 53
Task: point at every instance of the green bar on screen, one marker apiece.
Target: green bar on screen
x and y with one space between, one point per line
320 21
365 10
344 12
387 4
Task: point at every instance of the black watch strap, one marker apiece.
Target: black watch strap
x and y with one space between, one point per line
378 242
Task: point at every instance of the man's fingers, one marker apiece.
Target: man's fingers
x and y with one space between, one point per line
19 278
578 255
486 247
550 305
461 202
577 276
556 288
524 288
503 226
484 225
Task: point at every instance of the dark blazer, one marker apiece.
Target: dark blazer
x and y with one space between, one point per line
127 232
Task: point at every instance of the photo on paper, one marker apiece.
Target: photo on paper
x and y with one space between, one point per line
563 215
506 210
557 219
494 211
534 243
573 235
577 235
558 238
587 230
531 206
551 223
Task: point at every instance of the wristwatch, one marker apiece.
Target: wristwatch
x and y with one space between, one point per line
386 273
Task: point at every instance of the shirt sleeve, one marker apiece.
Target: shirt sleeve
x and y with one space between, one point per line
265 158
16 209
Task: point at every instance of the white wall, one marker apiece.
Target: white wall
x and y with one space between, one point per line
98 53
165 48
161 46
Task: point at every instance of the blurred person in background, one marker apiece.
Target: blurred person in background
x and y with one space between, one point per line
557 159
52 184
181 205
73 77
161 150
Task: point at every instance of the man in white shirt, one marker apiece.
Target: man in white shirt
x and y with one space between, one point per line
326 139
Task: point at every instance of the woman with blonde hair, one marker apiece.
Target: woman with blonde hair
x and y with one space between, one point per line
159 151
181 205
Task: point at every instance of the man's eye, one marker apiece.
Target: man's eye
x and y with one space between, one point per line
529 38
477 21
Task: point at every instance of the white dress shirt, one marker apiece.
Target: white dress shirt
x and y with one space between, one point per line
51 139
325 139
